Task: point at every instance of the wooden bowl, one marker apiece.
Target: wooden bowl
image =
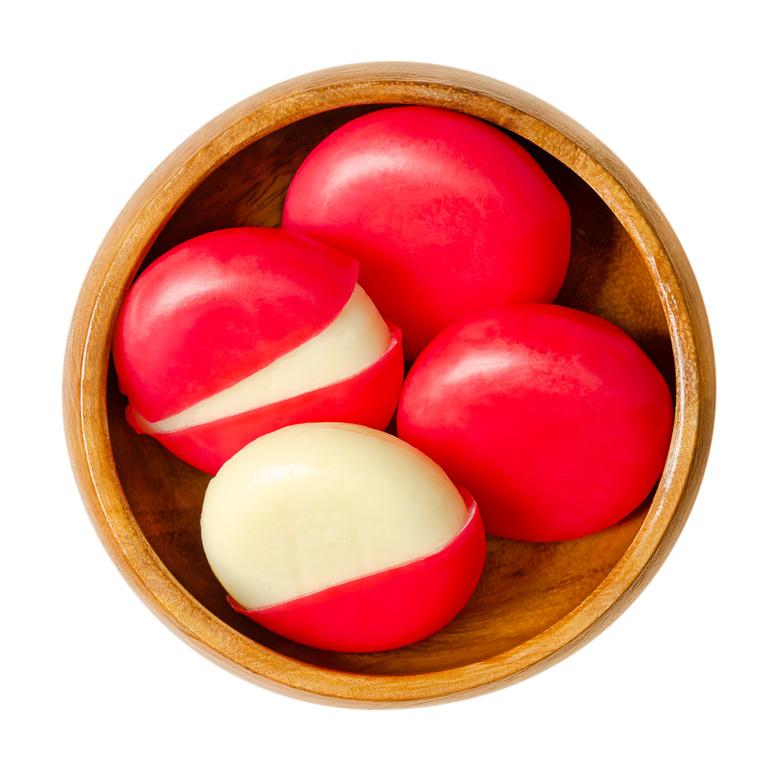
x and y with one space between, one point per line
535 602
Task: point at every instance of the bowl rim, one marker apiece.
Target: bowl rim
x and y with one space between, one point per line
139 223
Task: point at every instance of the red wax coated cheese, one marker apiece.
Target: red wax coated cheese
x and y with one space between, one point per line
238 332
447 214
216 308
366 398
554 419
389 609
342 537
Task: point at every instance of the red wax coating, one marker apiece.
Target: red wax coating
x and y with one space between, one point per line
554 419
447 214
219 307
390 608
367 398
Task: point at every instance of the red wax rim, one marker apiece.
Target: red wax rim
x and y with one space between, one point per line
367 398
389 608
274 288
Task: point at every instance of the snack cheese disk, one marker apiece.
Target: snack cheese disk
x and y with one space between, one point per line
447 215
554 419
342 537
238 332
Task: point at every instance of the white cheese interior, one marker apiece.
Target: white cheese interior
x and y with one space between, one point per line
314 505
355 339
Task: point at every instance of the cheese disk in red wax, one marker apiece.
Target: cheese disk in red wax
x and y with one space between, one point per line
447 214
554 419
235 333
342 537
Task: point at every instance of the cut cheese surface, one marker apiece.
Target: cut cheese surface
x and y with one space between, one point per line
355 339
311 506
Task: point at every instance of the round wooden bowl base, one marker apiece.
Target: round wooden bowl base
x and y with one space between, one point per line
535 602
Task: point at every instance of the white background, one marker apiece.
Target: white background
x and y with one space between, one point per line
683 684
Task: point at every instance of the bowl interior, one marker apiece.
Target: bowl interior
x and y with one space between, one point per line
526 587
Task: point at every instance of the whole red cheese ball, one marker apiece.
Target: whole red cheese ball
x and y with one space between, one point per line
238 332
554 419
447 214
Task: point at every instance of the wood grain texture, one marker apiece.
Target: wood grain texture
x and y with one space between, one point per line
536 602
